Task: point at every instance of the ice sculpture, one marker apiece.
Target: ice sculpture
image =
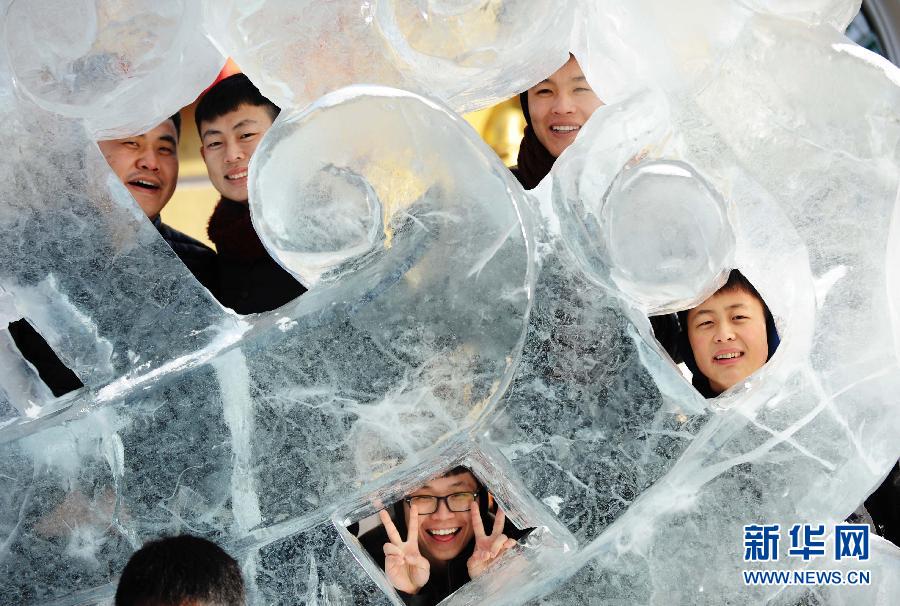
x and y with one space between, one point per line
469 54
117 65
452 318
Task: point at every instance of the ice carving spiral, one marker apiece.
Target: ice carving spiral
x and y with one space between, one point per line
452 318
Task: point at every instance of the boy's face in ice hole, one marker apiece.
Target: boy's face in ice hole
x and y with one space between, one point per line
727 333
434 542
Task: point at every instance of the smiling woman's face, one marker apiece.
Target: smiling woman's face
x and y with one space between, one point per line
444 534
560 105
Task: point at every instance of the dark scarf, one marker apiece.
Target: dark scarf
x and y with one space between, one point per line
232 232
534 160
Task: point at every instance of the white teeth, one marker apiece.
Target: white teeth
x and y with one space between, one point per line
240 175
728 356
564 129
145 183
443 531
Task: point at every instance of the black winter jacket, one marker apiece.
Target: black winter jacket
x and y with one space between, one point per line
248 280
884 506
199 258
254 285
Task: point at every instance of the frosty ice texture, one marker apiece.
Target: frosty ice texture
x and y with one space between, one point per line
452 319
117 65
470 54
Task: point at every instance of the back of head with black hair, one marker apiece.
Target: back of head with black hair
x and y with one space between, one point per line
229 94
175 570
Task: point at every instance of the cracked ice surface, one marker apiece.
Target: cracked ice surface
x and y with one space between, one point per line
452 318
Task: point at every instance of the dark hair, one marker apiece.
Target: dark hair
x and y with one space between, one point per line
459 469
176 119
173 570
227 95
736 282
523 103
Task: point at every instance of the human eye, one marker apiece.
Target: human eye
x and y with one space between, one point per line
213 144
425 504
130 143
246 136
166 150
704 323
461 501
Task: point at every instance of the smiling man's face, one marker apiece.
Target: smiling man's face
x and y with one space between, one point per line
228 144
560 105
727 333
147 165
444 534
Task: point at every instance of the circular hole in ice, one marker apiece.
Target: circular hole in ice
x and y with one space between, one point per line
667 233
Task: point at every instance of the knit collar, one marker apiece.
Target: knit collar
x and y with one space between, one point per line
231 230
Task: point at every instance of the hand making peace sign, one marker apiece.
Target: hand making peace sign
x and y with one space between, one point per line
487 547
405 567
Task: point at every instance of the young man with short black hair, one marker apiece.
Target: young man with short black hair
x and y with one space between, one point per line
447 541
728 337
232 118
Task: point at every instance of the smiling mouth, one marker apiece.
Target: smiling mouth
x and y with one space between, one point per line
237 176
565 130
444 535
144 184
728 356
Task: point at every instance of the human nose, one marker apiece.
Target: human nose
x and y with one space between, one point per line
443 510
563 104
724 333
234 153
148 160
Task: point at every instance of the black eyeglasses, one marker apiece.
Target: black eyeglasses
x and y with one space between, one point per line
457 502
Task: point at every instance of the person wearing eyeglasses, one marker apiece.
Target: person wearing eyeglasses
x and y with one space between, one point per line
440 539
